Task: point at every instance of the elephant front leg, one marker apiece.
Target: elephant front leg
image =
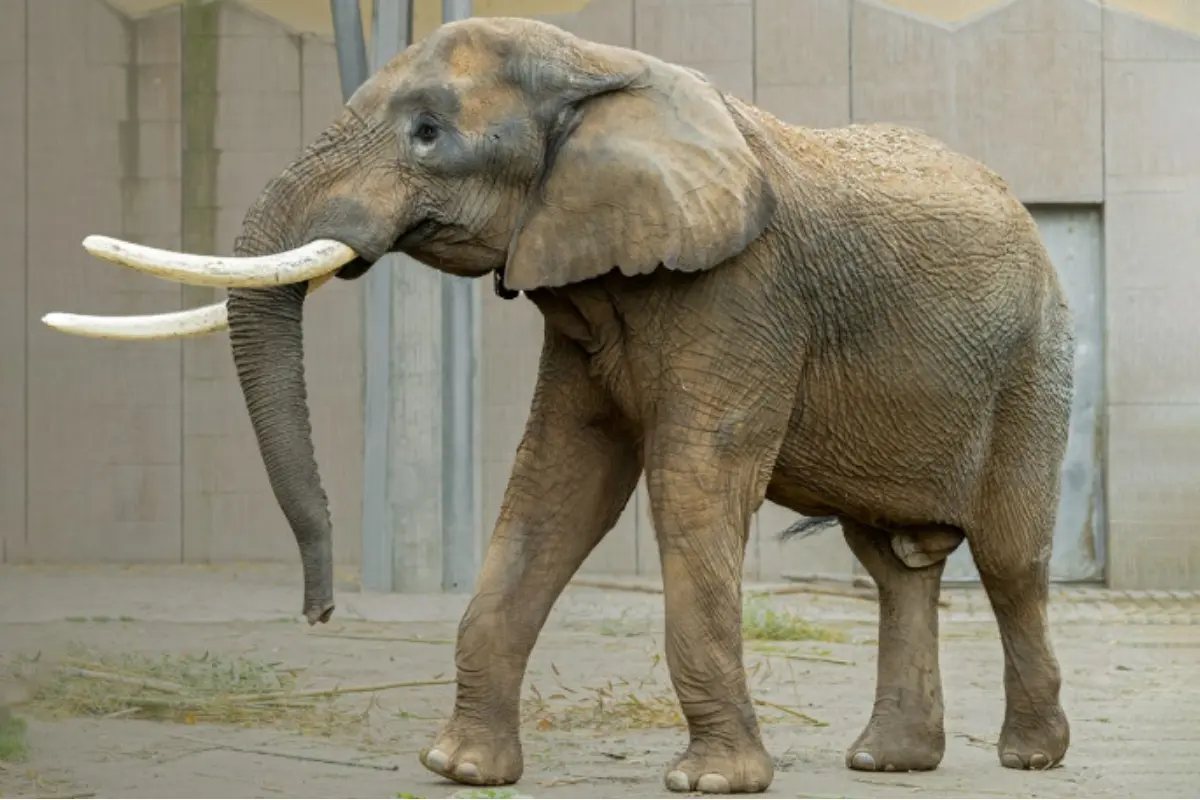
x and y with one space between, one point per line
575 471
702 503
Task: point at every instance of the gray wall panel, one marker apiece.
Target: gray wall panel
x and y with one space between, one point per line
12 280
103 417
1152 225
1017 86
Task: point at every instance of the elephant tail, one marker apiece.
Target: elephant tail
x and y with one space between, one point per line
807 526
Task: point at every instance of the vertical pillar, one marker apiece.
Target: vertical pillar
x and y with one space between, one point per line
409 294
402 436
461 462
421 476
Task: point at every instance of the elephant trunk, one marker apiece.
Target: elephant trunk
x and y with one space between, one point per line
268 351
265 331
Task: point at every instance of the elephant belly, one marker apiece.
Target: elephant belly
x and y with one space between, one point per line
883 461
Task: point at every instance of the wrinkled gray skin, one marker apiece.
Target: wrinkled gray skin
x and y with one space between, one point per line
854 322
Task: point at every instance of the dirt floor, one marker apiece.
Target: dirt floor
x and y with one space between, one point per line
599 715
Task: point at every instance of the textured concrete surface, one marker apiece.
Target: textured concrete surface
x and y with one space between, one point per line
1128 662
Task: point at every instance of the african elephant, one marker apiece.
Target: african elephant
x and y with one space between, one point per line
855 322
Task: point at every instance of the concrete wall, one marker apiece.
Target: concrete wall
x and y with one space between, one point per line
159 120
12 278
1152 246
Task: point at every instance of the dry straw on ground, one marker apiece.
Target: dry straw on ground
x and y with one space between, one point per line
192 688
651 702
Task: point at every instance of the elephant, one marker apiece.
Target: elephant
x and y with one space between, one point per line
855 323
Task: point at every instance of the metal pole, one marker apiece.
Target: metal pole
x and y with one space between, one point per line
460 414
390 35
455 9
351 47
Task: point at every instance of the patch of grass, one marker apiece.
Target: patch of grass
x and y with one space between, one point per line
180 688
763 623
13 746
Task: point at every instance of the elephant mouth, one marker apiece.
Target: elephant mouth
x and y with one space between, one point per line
368 254
415 236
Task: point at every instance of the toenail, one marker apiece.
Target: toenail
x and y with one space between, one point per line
863 761
677 781
467 771
1011 760
713 783
1039 761
436 760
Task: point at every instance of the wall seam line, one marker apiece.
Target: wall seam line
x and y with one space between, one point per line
25 258
850 60
182 297
1103 540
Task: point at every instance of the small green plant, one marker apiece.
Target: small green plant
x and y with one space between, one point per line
763 623
13 746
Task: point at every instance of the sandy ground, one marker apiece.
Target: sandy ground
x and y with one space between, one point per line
1128 665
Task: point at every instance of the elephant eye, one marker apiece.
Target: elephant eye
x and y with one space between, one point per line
425 132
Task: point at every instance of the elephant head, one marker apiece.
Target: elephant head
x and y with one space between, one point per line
493 146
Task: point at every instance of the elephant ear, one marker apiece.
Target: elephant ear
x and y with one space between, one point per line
653 174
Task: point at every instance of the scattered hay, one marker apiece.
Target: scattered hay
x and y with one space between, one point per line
13 745
615 707
818 656
623 706
189 689
762 622
483 792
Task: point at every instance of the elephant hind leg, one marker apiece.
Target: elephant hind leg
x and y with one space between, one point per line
1011 545
906 730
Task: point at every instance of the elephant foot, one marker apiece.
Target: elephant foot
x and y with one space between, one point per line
893 744
1034 742
467 753
710 771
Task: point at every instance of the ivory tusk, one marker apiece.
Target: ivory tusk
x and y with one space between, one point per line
311 261
173 325
149 327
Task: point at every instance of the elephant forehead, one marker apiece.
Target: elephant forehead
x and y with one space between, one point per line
470 58
458 51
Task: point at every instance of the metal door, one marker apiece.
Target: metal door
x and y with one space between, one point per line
1073 237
